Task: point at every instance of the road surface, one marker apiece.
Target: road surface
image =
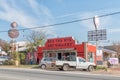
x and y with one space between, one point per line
37 74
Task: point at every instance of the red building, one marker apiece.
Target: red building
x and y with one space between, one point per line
67 45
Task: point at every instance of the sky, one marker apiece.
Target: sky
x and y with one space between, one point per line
37 13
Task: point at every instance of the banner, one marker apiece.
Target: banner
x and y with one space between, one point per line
113 60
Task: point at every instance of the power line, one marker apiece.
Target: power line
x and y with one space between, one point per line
68 22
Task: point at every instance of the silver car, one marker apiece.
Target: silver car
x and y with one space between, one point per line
47 62
3 59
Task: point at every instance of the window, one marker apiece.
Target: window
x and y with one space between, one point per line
73 56
81 60
91 57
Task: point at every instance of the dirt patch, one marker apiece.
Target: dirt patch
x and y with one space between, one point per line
110 71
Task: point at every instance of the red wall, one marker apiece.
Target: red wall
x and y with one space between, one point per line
92 48
40 54
80 50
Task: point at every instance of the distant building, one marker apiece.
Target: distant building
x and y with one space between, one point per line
21 46
103 55
3 53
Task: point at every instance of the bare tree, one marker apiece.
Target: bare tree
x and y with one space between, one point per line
35 39
4 45
116 47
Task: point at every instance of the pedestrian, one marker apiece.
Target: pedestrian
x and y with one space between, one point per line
108 64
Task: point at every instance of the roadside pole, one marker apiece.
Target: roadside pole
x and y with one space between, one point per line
96 24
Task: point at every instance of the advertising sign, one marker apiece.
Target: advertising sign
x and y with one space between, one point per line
60 43
113 60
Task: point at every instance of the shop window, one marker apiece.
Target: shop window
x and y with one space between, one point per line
52 55
46 55
59 56
65 56
90 57
73 56
70 56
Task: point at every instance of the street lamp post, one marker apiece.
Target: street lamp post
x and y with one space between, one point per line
96 24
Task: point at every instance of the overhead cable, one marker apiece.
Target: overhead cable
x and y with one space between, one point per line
67 22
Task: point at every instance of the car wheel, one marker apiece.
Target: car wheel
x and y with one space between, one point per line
43 66
91 68
60 69
65 67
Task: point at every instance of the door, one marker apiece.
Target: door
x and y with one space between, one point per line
81 63
47 62
59 56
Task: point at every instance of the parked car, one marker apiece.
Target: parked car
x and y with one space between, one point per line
3 59
47 62
79 63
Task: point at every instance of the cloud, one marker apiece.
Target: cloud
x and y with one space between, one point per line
29 14
68 15
38 8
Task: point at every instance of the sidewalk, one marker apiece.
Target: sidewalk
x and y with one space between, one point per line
20 66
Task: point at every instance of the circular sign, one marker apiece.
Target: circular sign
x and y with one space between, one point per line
14 25
13 33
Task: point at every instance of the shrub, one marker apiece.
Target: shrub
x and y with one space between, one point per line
15 55
101 68
22 58
8 62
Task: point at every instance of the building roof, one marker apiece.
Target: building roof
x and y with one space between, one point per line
109 51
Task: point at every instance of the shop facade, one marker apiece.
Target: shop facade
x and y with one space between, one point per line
66 48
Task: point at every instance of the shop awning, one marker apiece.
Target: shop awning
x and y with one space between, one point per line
61 50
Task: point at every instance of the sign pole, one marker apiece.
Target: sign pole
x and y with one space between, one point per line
96 23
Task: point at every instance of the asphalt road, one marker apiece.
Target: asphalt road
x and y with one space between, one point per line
37 74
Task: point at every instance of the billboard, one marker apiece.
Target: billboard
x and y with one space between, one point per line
96 35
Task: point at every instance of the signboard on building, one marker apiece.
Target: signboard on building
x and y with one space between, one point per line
60 43
96 35
99 53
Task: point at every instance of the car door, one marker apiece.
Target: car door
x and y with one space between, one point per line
48 62
81 63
